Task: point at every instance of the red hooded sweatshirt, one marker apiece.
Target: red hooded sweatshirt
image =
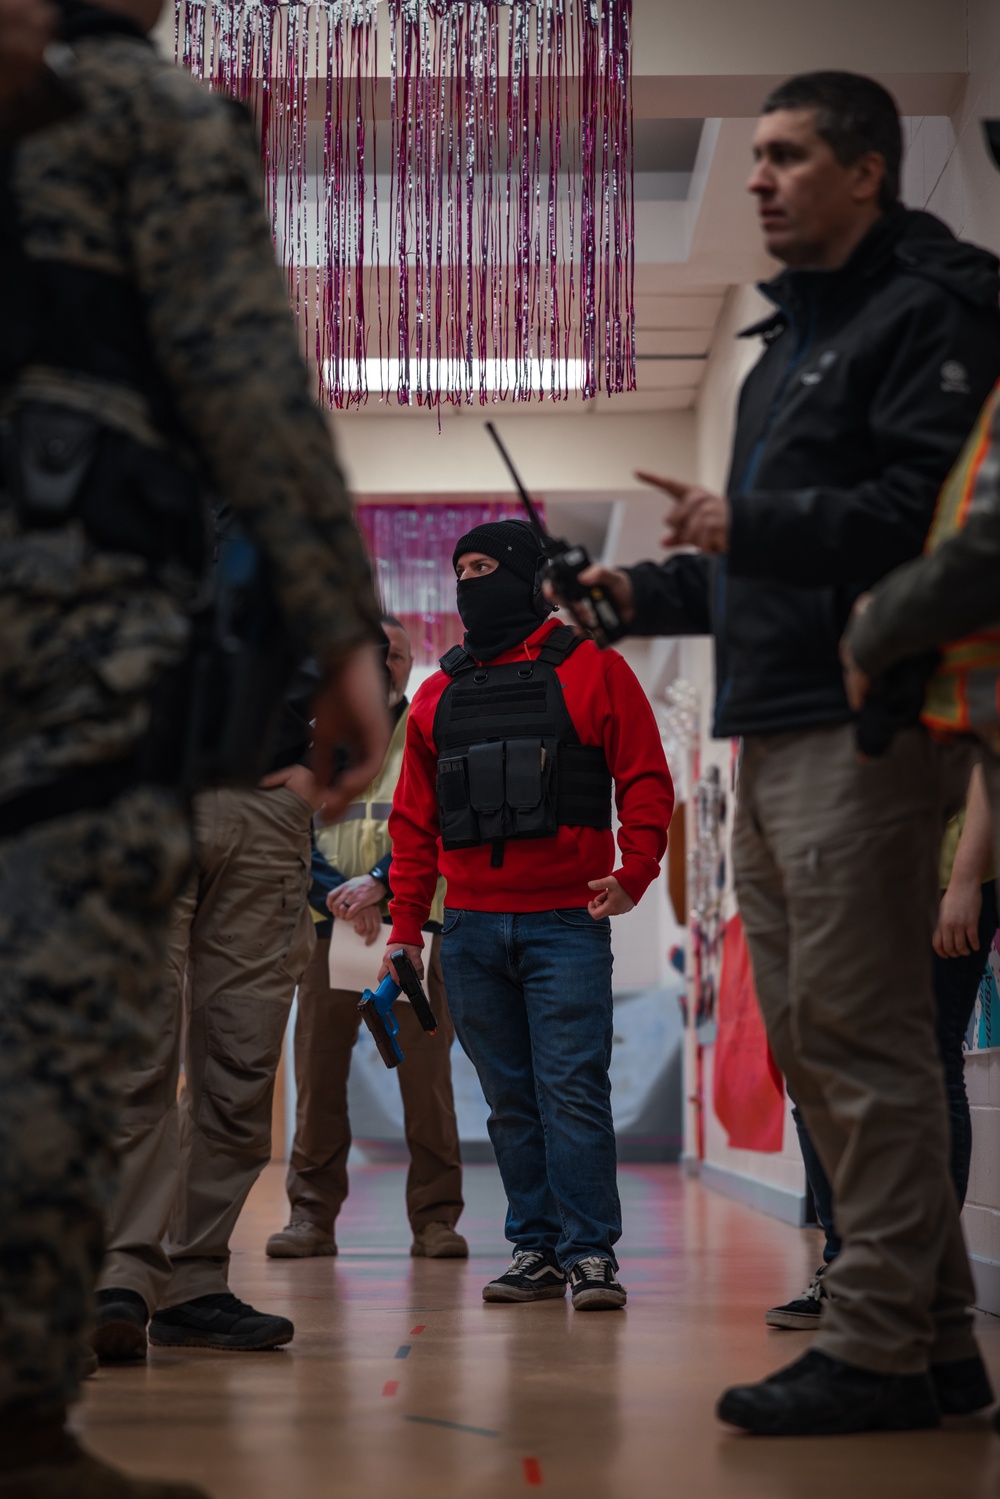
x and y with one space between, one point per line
608 708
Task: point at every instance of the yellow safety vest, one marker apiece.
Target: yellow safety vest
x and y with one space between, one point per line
361 838
963 692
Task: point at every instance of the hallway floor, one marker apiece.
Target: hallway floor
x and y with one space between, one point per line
402 1384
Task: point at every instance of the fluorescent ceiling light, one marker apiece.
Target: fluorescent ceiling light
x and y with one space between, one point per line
430 376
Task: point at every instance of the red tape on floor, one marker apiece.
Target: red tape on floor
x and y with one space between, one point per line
532 1472
390 1387
414 1330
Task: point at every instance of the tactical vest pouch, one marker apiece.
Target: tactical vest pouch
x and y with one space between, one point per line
486 788
500 790
49 452
529 788
458 822
60 465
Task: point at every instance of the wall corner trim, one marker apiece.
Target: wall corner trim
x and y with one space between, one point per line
986 1274
776 1202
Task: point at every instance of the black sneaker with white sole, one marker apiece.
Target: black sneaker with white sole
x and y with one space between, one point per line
531 1275
804 1313
594 1284
219 1321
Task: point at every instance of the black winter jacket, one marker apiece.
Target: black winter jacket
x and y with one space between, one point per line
870 380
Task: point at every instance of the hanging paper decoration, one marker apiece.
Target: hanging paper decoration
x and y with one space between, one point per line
481 247
706 883
748 1091
411 546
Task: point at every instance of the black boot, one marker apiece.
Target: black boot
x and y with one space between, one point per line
823 1396
962 1386
119 1333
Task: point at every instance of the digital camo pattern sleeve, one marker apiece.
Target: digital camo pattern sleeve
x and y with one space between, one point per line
222 334
159 181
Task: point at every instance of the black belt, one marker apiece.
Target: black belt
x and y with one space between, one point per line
87 789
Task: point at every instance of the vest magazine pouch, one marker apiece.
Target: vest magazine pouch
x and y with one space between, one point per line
486 788
458 823
61 465
528 778
49 453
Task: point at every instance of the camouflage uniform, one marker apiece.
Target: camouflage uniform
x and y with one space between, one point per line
154 185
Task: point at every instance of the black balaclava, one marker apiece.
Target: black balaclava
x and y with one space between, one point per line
506 606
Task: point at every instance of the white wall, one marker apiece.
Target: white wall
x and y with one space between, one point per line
585 455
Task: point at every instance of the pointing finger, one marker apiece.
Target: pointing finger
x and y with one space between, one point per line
673 487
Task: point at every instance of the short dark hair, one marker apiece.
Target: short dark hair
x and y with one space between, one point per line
854 115
390 619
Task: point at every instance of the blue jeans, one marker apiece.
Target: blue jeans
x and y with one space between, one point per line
530 996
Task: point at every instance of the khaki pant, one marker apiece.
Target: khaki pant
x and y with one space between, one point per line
835 865
240 936
325 1031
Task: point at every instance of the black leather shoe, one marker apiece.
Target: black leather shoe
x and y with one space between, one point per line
962 1386
119 1333
822 1396
219 1321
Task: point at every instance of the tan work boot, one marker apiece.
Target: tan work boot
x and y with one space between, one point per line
47 1463
439 1241
300 1240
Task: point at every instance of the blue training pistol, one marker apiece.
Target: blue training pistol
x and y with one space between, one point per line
376 1008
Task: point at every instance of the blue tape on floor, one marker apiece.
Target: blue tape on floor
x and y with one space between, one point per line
476 1431
403 1350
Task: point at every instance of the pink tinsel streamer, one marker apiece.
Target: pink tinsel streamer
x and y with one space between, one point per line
510 213
411 545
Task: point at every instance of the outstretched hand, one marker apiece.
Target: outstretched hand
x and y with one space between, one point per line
698 518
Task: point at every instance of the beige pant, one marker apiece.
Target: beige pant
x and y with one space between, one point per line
326 1029
835 865
240 937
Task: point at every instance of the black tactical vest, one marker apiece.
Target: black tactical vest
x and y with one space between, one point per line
510 762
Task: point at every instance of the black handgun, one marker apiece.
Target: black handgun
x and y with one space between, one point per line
565 562
376 1008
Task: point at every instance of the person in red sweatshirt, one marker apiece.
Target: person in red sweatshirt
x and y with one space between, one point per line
513 752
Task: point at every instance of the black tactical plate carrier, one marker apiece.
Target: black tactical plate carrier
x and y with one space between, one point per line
510 762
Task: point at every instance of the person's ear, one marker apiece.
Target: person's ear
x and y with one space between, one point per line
543 607
869 175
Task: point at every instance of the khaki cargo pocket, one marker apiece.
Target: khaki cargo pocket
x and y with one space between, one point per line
243 1045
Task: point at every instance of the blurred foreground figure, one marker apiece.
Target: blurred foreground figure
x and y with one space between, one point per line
883 343
240 937
26 28
146 353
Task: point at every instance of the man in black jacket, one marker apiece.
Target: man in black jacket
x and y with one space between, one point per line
884 342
